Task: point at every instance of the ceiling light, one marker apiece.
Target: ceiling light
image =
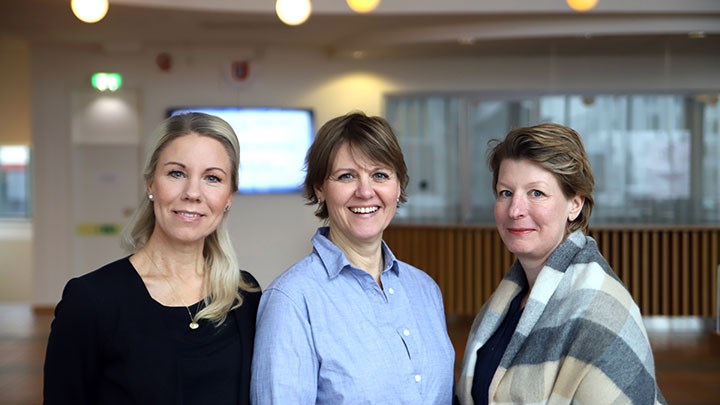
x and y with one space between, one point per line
89 11
582 5
293 12
363 6
696 34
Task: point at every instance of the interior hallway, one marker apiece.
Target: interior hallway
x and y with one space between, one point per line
688 364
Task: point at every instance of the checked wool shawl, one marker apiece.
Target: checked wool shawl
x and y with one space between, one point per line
580 339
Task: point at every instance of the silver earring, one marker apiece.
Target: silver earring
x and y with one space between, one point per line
151 197
227 208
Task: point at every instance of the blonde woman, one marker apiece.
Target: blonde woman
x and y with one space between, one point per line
174 322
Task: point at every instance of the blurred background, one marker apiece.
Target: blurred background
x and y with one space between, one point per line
638 79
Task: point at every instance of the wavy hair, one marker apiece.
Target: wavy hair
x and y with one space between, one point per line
222 275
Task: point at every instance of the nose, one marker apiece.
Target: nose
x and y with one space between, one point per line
364 188
518 206
192 190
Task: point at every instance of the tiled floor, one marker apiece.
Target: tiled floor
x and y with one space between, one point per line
688 364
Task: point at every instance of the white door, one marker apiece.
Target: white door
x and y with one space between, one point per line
106 173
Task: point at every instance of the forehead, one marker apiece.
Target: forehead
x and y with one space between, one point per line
525 171
348 155
195 147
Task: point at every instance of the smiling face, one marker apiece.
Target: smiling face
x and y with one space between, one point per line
191 188
361 198
531 211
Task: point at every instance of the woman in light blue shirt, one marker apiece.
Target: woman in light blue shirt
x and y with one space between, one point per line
350 323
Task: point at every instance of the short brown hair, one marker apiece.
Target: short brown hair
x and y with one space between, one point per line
559 150
370 136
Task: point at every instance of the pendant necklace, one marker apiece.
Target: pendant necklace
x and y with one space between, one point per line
193 322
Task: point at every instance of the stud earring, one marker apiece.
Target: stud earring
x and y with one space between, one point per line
227 208
151 197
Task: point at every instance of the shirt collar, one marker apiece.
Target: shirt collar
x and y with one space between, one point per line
334 259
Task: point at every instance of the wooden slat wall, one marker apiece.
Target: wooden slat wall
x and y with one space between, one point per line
669 271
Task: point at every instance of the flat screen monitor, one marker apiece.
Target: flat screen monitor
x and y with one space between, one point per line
273 145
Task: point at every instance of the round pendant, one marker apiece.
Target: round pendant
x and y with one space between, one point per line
194 325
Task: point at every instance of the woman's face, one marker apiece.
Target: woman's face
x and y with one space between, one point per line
191 188
531 211
361 198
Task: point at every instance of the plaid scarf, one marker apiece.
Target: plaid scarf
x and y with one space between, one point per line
580 339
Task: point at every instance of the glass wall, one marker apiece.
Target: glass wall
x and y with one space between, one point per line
15 182
655 157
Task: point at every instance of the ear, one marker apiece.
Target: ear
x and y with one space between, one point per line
148 188
576 205
319 193
229 202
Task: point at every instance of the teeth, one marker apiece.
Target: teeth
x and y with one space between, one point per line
189 214
364 210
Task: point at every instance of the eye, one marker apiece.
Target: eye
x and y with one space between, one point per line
504 193
345 176
176 174
381 176
537 193
213 179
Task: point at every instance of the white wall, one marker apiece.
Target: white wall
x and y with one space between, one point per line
16 277
272 232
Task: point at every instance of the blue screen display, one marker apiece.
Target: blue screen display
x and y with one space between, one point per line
273 145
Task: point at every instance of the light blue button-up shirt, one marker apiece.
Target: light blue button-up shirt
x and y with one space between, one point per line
328 334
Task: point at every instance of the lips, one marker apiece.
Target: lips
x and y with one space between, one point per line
364 210
519 231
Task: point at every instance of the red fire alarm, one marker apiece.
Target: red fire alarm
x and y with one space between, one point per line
164 61
240 70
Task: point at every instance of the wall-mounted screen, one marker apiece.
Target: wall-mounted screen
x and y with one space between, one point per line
273 144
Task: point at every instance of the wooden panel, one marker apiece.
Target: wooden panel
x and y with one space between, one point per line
668 271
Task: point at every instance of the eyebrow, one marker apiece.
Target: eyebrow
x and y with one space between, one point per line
185 167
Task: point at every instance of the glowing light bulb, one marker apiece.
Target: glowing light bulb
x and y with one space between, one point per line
293 12
363 6
582 5
89 11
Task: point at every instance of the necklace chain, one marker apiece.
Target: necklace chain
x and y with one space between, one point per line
193 322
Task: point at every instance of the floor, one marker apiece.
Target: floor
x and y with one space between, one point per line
688 364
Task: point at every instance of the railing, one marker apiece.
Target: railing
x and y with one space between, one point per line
669 271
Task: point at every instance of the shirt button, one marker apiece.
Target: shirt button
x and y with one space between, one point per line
406 332
418 378
391 291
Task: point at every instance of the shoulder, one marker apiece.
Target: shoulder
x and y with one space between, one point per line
252 295
304 275
412 273
107 281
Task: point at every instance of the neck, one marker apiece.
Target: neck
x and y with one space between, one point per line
366 256
174 261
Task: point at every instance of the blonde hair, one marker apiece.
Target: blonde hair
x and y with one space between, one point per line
222 275
559 150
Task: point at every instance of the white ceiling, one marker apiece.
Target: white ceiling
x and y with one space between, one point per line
398 28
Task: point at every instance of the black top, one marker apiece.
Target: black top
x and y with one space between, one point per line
112 343
490 354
